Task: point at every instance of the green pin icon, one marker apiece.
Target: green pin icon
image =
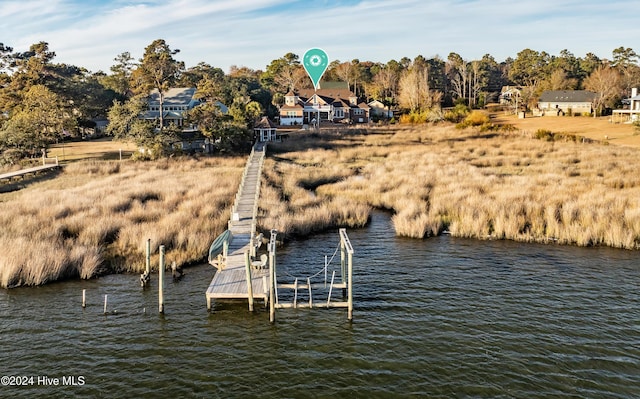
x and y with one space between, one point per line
315 62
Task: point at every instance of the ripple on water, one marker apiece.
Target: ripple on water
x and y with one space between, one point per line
438 318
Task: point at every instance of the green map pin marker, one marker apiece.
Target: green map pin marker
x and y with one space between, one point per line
315 62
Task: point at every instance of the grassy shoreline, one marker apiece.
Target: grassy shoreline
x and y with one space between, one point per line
472 184
95 216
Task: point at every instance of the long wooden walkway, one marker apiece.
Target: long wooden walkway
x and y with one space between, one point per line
33 170
230 281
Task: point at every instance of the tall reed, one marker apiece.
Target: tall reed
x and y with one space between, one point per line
505 185
96 216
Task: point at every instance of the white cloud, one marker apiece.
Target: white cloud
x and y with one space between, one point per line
254 32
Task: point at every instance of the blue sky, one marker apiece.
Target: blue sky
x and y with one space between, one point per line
252 33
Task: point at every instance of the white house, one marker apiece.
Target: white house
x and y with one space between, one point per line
631 114
380 110
333 104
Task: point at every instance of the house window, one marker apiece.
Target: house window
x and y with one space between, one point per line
339 113
358 111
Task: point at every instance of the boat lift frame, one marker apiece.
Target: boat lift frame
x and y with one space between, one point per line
346 264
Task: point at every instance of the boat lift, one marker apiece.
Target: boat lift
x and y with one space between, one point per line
346 269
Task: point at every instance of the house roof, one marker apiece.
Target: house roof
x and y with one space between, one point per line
568 96
264 123
175 96
333 85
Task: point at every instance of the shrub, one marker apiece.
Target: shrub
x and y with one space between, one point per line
475 118
544 134
457 113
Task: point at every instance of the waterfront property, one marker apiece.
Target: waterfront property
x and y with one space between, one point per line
331 103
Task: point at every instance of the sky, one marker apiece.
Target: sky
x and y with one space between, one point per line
252 33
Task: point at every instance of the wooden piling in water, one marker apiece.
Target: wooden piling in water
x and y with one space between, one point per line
105 304
84 298
161 281
148 263
247 262
272 277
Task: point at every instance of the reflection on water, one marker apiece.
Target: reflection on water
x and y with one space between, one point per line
443 317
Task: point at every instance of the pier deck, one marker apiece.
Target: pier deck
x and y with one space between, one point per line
23 172
230 280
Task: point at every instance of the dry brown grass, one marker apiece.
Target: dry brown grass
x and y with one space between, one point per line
96 217
599 129
482 185
99 149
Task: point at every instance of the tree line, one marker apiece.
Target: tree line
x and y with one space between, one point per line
42 102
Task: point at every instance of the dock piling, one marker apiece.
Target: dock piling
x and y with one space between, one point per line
84 298
247 261
161 281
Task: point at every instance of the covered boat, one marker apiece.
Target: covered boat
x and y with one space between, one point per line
218 245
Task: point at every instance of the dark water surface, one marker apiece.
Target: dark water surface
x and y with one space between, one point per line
439 318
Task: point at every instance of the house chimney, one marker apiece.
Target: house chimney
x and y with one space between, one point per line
634 92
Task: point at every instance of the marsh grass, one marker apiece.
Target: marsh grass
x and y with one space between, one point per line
506 185
96 216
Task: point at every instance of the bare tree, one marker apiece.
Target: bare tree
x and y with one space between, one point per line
457 70
605 81
414 91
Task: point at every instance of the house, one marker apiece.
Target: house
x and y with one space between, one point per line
509 94
333 103
379 110
175 102
631 114
571 102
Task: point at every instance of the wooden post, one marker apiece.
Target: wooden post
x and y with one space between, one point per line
343 264
350 287
348 248
148 264
161 281
326 264
225 249
105 303
84 298
333 275
247 262
310 298
272 283
295 293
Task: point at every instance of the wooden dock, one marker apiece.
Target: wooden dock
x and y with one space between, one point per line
230 281
34 170
236 267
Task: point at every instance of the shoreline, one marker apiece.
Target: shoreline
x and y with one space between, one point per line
432 179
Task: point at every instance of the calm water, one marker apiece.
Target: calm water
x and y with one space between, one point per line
439 318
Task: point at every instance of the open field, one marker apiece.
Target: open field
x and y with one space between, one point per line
598 129
99 149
